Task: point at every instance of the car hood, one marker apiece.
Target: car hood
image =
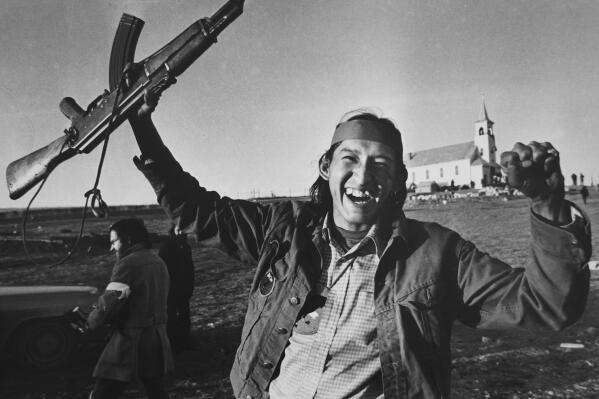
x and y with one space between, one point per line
47 289
49 300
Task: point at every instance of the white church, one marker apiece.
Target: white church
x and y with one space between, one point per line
473 162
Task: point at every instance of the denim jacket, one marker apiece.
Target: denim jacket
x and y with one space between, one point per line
427 278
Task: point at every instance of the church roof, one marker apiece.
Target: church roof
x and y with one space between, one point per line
447 153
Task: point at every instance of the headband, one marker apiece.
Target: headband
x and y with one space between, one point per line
368 130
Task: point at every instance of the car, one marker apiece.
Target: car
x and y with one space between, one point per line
33 326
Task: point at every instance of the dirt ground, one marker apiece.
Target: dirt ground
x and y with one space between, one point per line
487 364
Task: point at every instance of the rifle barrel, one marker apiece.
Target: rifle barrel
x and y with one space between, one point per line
112 108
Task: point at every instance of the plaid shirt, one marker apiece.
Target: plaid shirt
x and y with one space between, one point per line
333 352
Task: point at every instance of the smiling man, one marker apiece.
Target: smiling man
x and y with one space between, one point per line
350 298
364 170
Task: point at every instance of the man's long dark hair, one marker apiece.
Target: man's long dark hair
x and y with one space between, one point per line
132 231
320 193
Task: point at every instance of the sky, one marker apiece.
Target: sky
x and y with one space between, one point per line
255 112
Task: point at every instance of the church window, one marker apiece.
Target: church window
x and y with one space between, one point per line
490 131
426 174
481 131
441 172
481 152
457 170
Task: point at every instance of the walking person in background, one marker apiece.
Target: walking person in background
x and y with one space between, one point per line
350 298
176 253
134 303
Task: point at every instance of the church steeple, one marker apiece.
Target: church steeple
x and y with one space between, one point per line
484 115
484 125
484 137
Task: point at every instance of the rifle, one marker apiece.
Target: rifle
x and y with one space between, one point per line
110 109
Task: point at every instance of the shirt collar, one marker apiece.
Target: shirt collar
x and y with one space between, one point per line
374 234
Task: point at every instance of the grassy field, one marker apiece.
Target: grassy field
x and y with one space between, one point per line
487 364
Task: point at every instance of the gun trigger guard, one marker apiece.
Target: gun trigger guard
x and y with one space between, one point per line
72 135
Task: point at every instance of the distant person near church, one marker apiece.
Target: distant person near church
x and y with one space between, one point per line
176 253
585 194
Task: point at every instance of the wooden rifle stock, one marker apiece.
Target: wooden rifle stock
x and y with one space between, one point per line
26 172
109 110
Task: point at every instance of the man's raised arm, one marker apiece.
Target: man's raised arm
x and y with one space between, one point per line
534 169
234 226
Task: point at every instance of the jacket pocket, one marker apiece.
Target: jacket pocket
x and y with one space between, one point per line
273 267
430 305
425 317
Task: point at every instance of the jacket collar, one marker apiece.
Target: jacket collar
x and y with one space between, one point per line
399 228
134 248
393 224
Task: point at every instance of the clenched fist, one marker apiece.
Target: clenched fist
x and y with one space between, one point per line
534 170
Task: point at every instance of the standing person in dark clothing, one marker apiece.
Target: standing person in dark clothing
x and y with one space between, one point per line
134 303
176 253
585 193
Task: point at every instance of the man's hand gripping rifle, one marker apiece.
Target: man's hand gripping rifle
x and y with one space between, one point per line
103 115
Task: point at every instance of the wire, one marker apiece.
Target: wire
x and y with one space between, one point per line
24 226
94 193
